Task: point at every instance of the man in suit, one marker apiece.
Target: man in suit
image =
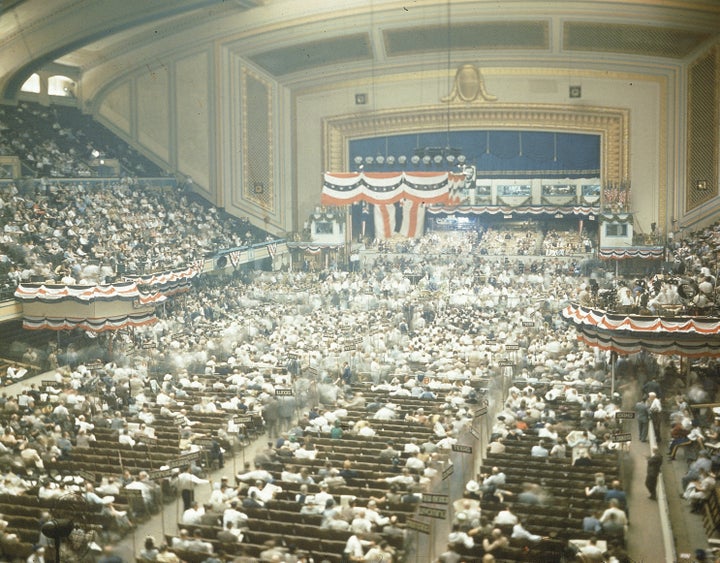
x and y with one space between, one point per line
654 463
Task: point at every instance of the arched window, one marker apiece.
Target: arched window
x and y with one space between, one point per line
60 85
32 84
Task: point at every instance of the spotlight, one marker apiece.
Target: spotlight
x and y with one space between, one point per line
358 159
402 159
426 159
461 158
415 159
390 160
437 159
369 160
380 159
450 158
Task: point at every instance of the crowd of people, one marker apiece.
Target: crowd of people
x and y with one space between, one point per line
445 324
61 142
450 307
87 235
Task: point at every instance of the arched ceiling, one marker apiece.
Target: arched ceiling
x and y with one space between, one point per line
305 43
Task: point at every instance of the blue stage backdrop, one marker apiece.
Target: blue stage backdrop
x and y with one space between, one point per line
495 154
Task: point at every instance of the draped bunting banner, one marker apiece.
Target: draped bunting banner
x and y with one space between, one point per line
91 325
664 346
170 283
55 293
688 336
52 293
388 187
106 305
314 248
585 211
626 253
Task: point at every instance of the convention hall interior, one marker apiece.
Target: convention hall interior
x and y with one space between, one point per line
394 281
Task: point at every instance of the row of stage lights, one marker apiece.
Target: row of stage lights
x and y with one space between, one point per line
427 156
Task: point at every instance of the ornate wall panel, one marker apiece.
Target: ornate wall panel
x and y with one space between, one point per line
153 117
193 117
703 122
652 41
257 140
611 124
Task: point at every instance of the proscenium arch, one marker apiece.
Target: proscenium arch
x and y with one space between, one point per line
612 124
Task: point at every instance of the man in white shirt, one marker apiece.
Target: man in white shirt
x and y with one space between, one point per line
232 514
361 524
193 515
505 517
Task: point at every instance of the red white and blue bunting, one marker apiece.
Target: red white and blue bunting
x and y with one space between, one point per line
142 291
382 188
90 325
628 334
53 293
579 210
169 283
630 252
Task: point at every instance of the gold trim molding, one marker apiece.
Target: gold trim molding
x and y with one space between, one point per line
612 124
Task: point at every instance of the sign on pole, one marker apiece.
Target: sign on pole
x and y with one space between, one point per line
439 513
435 498
422 527
482 411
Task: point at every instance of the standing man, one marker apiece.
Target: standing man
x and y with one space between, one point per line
642 414
654 409
654 464
186 482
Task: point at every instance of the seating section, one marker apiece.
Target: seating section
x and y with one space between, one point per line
61 141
